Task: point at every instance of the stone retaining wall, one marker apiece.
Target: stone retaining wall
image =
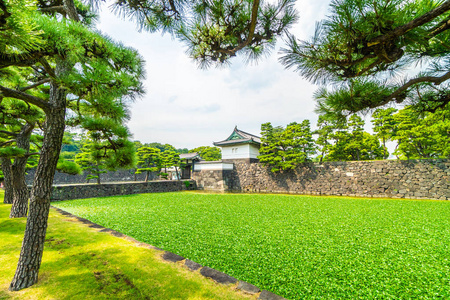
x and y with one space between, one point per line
417 179
110 176
79 191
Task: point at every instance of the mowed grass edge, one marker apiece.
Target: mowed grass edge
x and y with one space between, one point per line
295 246
81 263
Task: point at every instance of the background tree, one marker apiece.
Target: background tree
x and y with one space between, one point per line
148 160
90 161
324 129
170 158
362 47
71 146
17 122
208 153
284 149
268 152
384 124
182 150
346 140
422 135
106 149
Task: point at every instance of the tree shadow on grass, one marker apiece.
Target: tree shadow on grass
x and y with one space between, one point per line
122 272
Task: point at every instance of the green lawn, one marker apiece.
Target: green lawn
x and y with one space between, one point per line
295 246
81 263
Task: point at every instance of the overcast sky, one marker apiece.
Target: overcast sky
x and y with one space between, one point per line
189 107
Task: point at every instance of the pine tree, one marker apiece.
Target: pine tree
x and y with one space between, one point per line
284 149
17 122
424 135
88 77
363 46
384 124
148 160
346 140
215 31
208 153
325 128
170 158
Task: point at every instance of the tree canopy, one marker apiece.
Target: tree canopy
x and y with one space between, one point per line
283 149
88 80
208 153
366 50
214 31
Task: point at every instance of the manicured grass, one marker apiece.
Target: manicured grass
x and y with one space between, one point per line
296 246
81 263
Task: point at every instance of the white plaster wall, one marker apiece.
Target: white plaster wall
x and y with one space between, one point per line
254 151
213 166
240 151
236 151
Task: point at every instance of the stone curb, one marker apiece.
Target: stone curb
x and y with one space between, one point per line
217 276
207 272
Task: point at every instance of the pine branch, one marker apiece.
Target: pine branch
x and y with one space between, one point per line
6 14
7 92
432 79
21 60
47 67
441 27
40 82
252 28
401 30
31 154
7 143
59 9
8 133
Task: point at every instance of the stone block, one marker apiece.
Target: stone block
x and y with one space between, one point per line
248 288
193 266
169 256
266 295
217 276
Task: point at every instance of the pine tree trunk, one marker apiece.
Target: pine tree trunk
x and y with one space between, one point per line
176 172
19 208
33 241
146 176
6 168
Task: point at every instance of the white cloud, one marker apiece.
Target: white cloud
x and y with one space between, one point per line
188 107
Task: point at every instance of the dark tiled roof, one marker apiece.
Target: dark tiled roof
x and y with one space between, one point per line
244 137
189 155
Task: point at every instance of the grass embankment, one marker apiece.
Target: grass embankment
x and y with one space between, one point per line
296 246
81 263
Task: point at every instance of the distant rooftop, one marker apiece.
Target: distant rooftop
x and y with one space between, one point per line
239 137
189 155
